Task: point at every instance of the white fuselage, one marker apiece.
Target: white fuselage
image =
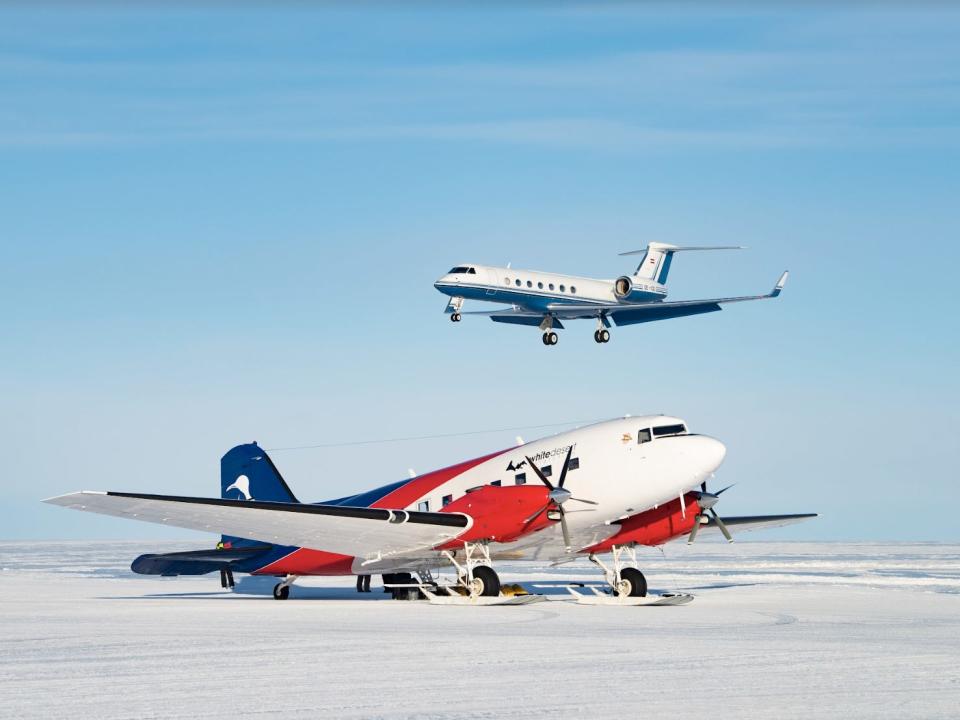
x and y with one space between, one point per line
535 290
611 467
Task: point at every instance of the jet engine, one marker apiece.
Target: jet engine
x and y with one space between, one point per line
625 291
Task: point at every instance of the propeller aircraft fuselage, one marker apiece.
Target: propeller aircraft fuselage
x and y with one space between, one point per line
623 482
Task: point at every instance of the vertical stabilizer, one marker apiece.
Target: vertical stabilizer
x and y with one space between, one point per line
248 473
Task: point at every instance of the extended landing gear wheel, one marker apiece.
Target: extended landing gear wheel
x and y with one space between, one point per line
550 338
632 583
601 336
455 317
281 591
485 581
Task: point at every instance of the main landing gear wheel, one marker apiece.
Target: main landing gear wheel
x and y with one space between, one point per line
601 336
550 338
455 317
632 583
485 581
281 591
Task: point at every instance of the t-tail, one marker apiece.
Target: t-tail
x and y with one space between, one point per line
248 473
657 258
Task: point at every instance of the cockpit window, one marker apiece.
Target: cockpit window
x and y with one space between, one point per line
665 430
460 269
643 436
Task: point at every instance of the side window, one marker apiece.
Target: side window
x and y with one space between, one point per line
471 271
518 282
540 285
547 470
563 288
573 290
643 436
506 281
521 479
551 286
424 506
574 464
496 483
447 499
529 283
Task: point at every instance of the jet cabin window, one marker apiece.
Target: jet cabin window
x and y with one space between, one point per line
665 430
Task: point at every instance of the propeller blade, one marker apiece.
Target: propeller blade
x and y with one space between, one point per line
543 478
694 530
566 463
564 529
720 492
537 514
723 528
588 502
703 486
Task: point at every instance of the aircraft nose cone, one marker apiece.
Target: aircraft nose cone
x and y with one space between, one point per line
713 452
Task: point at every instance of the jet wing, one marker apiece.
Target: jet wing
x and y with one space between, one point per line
633 313
745 523
357 531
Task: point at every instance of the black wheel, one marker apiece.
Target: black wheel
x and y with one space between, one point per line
546 338
281 591
455 317
633 583
604 335
596 336
553 337
488 580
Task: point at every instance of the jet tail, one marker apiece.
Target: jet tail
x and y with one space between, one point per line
248 473
657 258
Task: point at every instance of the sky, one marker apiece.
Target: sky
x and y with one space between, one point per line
222 223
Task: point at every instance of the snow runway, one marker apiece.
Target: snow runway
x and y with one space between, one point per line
777 629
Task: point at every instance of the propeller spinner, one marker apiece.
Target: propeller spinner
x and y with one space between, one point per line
706 501
556 497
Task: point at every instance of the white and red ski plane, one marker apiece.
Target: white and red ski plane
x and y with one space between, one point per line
546 300
601 489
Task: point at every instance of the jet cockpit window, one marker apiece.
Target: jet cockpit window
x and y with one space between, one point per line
643 436
471 271
665 430
457 270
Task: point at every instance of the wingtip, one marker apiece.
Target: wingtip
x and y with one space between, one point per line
67 497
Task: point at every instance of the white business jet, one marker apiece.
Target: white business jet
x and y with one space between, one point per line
544 299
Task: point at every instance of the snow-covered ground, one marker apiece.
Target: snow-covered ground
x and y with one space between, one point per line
783 630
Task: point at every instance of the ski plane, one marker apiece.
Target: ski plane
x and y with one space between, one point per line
545 300
599 490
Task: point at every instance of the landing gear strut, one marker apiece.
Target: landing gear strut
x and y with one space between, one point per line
624 578
226 578
475 575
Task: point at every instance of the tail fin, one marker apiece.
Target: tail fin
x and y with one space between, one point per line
248 473
657 257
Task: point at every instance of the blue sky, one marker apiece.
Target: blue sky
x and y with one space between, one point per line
223 225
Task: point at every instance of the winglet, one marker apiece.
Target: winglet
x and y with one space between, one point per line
780 283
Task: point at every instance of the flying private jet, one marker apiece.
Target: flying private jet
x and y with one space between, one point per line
545 300
601 489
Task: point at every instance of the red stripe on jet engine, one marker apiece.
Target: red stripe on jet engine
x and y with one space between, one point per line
426 484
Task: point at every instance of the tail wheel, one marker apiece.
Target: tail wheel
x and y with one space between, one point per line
281 591
632 583
485 581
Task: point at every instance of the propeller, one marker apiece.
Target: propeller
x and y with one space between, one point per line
556 497
706 501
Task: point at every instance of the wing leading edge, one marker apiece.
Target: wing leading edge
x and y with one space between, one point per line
356 531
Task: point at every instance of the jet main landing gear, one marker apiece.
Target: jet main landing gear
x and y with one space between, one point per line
601 336
455 317
550 338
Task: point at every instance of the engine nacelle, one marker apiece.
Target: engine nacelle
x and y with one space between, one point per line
626 290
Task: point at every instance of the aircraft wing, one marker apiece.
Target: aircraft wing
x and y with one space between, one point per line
633 313
358 531
745 523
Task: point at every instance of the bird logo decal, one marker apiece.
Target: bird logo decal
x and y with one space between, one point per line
241 485
511 467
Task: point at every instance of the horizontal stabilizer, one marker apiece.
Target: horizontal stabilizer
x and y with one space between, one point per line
194 562
674 248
